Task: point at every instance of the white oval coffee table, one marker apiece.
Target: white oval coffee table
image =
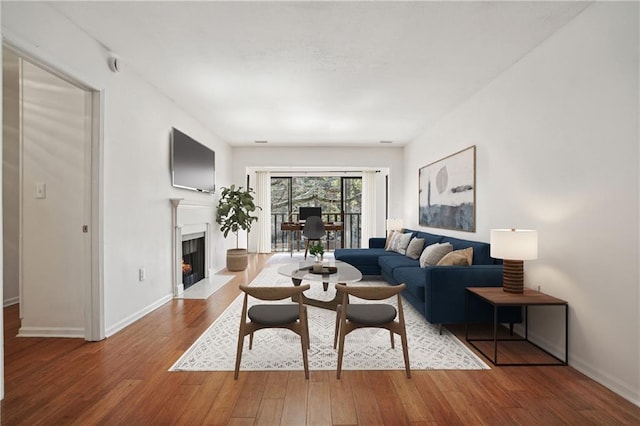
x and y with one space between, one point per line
335 272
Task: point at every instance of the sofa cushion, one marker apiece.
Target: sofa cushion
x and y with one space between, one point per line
433 253
458 257
481 252
415 247
414 278
389 263
361 256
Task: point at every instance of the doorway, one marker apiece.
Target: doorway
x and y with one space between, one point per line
52 154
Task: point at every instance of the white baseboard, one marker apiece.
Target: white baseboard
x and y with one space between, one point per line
586 368
137 315
10 302
606 380
76 333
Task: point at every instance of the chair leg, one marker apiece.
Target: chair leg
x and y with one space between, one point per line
340 349
405 352
306 248
251 341
337 329
238 354
393 341
307 328
304 343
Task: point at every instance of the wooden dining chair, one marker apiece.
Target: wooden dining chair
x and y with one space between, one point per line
292 316
351 316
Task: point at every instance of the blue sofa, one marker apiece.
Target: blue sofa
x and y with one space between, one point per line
437 292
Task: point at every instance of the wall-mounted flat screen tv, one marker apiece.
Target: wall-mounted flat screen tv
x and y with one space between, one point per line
193 165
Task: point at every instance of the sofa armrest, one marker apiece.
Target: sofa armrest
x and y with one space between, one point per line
377 242
445 289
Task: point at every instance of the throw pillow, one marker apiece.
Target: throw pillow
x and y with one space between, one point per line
391 240
432 254
458 257
400 244
414 249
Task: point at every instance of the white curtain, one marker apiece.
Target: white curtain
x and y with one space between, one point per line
263 199
368 227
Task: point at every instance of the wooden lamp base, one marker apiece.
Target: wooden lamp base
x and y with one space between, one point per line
513 276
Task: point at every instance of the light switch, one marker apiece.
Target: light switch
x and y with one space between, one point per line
41 190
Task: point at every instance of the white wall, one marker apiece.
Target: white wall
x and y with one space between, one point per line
557 151
10 176
137 184
386 159
1 263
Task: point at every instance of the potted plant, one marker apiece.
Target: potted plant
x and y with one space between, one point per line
233 214
316 250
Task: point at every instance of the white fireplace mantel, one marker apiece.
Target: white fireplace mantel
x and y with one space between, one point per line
190 217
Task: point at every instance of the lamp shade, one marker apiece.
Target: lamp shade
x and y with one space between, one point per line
514 244
394 224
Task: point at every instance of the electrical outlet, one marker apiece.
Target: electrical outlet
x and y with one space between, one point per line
142 274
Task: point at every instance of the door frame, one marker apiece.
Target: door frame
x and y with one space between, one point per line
94 321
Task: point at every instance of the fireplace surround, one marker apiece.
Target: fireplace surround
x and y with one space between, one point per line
192 221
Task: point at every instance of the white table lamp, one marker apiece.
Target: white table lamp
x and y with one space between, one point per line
514 246
394 225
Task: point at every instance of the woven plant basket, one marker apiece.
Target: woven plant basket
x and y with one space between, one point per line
237 259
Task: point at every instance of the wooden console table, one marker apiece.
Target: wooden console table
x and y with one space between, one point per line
499 298
295 227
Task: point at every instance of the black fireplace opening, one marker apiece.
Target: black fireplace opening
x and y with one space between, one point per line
192 261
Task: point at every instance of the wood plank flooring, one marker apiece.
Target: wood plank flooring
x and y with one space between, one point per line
124 380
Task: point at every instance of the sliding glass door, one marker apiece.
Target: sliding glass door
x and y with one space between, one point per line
340 199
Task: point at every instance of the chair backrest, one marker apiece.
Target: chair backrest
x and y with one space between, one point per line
377 292
313 228
273 293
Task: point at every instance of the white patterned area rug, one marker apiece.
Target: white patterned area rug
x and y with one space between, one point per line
365 349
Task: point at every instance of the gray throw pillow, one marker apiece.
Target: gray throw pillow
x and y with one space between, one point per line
392 240
432 254
414 249
400 244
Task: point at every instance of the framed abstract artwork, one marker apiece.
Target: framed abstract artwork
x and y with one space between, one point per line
447 192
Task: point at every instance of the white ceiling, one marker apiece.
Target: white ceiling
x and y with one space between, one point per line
341 73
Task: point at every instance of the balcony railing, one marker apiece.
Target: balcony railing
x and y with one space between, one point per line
348 238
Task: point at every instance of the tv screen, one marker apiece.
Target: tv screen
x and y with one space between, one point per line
193 165
306 212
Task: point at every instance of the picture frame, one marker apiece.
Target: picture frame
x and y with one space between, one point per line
447 192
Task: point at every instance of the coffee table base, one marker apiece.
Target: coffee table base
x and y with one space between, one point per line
326 304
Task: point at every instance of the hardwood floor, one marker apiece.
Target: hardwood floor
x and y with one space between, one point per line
124 380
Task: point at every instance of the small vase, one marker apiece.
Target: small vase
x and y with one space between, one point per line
317 265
